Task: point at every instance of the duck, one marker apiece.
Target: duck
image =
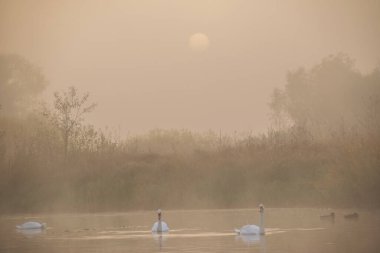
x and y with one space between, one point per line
31 225
351 216
254 229
160 226
330 216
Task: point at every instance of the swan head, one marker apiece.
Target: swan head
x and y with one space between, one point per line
159 214
261 208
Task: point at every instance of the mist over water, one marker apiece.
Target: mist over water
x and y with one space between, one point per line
288 230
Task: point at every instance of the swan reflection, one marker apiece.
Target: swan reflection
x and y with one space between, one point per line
29 233
160 238
251 240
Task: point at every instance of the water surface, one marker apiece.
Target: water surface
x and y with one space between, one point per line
287 230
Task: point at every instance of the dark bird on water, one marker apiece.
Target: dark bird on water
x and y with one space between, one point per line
351 216
330 216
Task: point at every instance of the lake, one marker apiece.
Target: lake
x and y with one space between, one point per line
287 230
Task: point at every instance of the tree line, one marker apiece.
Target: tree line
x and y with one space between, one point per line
322 149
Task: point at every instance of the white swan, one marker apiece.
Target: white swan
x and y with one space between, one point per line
32 225
160 226
254 229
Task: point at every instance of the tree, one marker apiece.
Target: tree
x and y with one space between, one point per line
277 106
330 97
20 83
70 109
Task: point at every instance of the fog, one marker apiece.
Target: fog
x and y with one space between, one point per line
134 57
135 105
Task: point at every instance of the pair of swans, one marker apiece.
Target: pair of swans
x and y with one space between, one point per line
160 226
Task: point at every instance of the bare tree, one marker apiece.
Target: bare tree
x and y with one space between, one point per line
70 109
278 109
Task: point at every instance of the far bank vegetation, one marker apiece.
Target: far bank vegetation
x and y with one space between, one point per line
323 149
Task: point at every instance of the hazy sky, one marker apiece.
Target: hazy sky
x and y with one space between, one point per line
135 60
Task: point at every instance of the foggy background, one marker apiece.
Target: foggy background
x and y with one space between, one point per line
136 105
134 58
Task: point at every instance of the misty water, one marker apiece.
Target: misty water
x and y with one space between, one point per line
287 230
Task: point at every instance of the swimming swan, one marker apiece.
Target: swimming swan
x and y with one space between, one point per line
32 225
254 229
160 226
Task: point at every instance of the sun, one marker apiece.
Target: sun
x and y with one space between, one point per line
199 42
